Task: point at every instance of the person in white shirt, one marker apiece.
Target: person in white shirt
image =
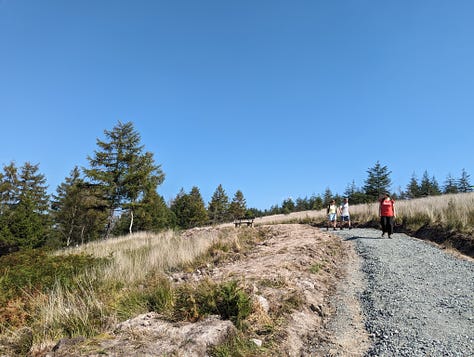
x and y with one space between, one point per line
345 216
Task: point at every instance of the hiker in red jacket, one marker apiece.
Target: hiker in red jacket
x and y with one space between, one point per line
387 214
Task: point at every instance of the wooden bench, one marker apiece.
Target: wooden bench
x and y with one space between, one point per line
240 221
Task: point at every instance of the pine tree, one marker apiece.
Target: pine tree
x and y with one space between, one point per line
355 195
302 204
425 185
189 209
328 196
377 182
464 184
435 189
77 210
287 206
24 208
238 206
198 216
153 214
67 207
123 170
315 203
413 189
218 206
450 185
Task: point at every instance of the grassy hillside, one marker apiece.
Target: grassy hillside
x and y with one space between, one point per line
88 289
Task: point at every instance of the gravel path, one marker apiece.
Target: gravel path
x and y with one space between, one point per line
418 300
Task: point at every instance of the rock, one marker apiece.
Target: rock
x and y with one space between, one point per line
264 304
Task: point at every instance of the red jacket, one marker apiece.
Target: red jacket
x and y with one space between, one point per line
386 208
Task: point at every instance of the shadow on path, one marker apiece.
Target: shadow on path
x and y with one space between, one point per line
357 237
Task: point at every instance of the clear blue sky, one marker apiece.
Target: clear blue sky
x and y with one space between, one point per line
274 98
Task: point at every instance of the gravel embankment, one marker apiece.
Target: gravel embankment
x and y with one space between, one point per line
418 301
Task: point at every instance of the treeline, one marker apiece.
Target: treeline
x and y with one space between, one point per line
118 193
378 181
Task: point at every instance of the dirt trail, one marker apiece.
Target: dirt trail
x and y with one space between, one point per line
291 256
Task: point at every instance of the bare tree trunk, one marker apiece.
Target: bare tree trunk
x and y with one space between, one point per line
82 235
131 221
109 224
68 239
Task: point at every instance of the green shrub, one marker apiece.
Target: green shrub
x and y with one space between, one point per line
37 270
315 268
131 304
237 346
233 303
227 300
160 297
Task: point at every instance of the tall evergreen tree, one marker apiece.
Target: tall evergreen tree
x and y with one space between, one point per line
218 207
288 206
238 206
450 185
413 189
355 195
315 202
435 189
153 214
328 196
189 209
377 182
301 204
67 208
77 210
198 210
464 184
425 185
25 202
123 170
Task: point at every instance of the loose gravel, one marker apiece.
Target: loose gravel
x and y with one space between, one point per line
419 299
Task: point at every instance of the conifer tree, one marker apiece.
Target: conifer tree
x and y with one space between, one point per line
435 189
328 196
77 210
425 185
122 170
355 195
198 216
413 189
377 182
25 203
218 206
315 203
238 206
464 184
153 214
287 206
189 209
302 204
450 185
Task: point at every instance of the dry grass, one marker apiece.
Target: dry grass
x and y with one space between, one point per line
133 261
134 257
455 211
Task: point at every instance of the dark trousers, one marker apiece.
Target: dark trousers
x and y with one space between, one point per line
387 224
